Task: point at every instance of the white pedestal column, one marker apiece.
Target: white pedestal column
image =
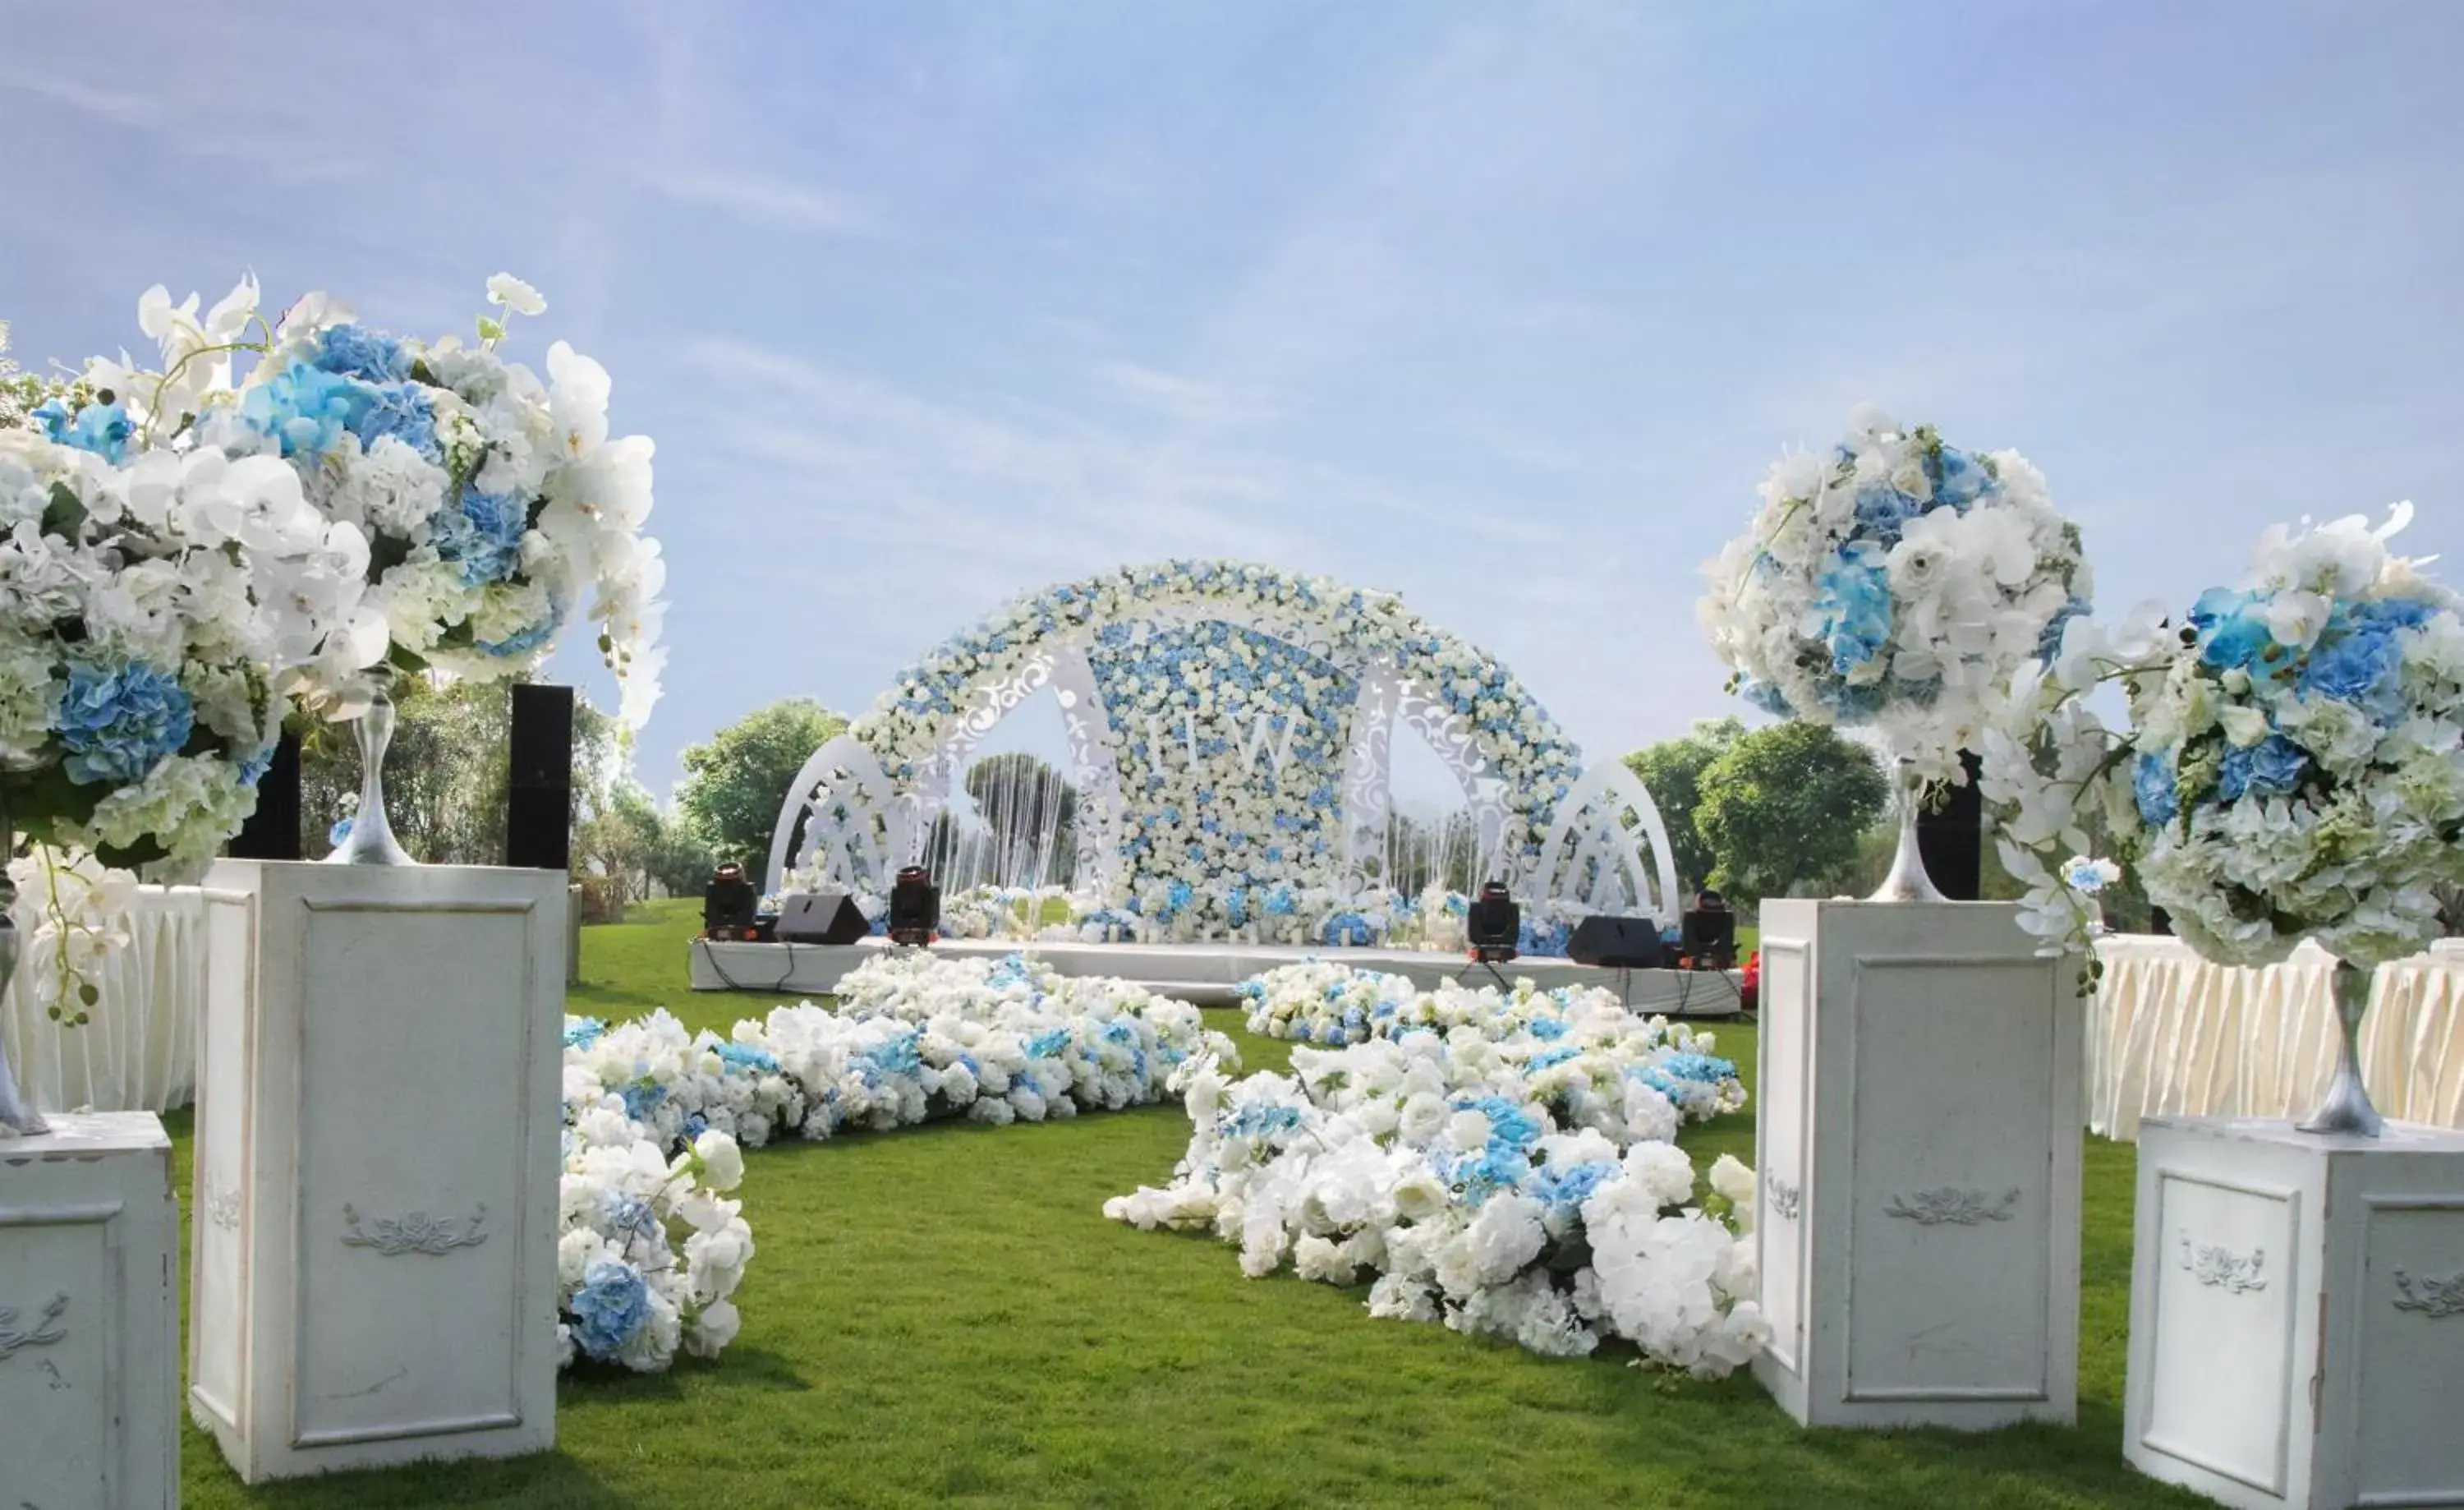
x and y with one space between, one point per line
374 1276
2297 1314
88 1386
1918 1139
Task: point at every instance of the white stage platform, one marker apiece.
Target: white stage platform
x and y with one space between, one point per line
1207 974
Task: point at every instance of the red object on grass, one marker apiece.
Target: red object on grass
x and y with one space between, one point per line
1750 989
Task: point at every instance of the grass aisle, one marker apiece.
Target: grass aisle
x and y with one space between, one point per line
942 1316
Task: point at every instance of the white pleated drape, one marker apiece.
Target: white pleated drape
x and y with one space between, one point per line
2169 1033
139 1052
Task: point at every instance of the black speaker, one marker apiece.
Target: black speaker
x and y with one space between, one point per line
539 793
272 831
1618 943
1951 838
824 916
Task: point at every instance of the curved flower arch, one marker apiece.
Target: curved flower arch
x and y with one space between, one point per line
1513 763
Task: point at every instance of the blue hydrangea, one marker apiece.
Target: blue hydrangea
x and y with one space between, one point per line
2156 791
581 1033
1048 1044
1883 512
306 409
2268 768
1558 1055
642 1097
1260 1121
1852 608
400 410
2232 631
103 429
901 1055
117 720
483 534
1959 480
340 833
358 352
1568 1188
612 1304
1705 1068
2357 666
745 1056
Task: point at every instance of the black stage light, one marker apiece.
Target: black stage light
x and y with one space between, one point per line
1494 924
728 903
915 907
1708 935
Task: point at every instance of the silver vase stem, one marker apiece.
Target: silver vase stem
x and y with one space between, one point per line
18 1115
371 840
2347 1108
1907 880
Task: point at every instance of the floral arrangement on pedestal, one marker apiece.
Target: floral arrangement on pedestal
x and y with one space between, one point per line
1896 583
1438 1165
149 605
485 501
1271 702
2293 767
1575 1047
649 1250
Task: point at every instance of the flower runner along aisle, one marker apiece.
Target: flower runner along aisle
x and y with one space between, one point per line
1513 1175
650 1251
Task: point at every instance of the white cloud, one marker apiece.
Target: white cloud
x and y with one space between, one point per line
766 199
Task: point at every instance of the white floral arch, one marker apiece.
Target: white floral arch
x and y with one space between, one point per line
867 799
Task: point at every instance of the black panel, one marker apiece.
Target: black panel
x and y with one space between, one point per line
829 917
1627 943
271 833
538 796
1952 839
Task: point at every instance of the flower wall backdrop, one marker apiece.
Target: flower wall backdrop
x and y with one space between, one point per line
1260 670
1231 745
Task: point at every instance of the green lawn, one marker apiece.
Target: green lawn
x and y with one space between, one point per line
942 1316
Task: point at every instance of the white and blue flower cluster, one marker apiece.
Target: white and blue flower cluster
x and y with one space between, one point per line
470 504
1525 1189
1541 1033
912 1039
1280 665
1898 583
151 607
2294 767
649 1249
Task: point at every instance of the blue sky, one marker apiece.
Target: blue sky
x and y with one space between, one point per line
1501 307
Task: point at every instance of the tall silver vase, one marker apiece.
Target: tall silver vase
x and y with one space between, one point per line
1907 880
371 840
18 1115
2347 1108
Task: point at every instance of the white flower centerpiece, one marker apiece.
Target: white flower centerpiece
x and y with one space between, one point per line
150 605
485 500
1896 584
2293 769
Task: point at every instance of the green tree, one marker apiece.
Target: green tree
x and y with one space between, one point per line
735 782
1672 772
1784 808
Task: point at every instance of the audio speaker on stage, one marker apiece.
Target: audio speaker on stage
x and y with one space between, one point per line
539 793
822 917
1618 943
1951 838
272 831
